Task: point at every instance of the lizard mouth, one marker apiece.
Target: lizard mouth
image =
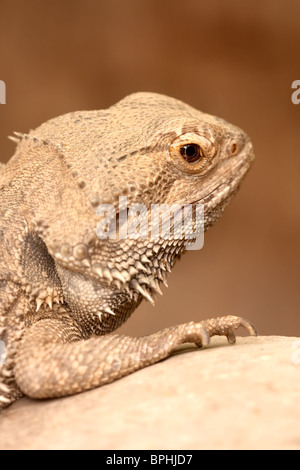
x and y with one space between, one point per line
236 168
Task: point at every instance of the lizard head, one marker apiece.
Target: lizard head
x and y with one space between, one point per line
177 154
149 149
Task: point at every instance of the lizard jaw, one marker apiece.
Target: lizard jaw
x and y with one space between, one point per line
218 198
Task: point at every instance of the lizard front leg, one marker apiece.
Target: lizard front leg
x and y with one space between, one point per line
52 360
13 307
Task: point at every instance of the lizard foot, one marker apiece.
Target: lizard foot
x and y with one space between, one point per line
225 326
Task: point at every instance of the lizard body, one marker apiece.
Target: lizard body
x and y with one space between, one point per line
63 290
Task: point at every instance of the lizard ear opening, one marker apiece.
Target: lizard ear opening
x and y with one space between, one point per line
192 153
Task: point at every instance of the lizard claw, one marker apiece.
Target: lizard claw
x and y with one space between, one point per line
204 338
225 326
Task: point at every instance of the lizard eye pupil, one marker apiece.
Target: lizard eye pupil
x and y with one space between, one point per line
191 153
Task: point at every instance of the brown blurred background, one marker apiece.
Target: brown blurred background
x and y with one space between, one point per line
233 59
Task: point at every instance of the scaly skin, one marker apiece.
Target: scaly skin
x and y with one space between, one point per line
63 291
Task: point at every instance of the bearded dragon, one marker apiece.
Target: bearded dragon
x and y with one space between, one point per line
64 290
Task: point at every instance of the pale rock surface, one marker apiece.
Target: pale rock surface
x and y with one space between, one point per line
245 396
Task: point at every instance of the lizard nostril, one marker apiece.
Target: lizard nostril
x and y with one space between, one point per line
234 149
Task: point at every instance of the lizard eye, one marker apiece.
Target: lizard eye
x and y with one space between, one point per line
192 153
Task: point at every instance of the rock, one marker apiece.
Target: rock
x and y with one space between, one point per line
245 396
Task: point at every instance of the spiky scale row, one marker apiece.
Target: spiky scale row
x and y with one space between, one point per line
144 292
49 300
138 277
18 137
105 311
